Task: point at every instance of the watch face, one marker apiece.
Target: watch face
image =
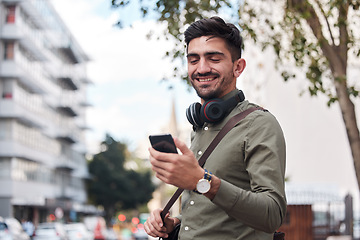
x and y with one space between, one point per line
203 186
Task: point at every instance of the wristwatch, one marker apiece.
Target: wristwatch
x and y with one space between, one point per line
204 184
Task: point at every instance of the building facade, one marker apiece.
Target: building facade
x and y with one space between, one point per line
42 114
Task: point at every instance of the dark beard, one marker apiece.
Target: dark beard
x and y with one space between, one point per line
209 95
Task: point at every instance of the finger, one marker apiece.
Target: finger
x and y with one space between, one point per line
158 217
148 230
166 174
182 147
166 217
160 168
168 222
161 178
158 163
156 221
161 156
151 231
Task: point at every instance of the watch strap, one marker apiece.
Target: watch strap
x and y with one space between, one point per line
207 175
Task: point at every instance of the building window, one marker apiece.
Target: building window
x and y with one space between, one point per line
5 166
5 130
7 95
9 50
10 14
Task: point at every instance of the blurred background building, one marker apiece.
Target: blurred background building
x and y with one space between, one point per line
42 114
43 84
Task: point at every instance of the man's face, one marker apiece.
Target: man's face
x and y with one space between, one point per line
211 70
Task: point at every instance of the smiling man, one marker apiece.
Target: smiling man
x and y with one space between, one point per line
211 69
239 194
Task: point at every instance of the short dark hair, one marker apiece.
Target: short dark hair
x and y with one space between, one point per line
216 27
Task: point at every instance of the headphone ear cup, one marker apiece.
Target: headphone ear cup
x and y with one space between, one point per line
193 115
212 110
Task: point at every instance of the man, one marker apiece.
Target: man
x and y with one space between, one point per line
28 227
246 198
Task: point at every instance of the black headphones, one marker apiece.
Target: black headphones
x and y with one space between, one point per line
212 110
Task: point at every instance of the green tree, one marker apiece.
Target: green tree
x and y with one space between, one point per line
112 185
318 37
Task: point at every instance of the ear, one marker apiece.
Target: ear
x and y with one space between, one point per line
239 66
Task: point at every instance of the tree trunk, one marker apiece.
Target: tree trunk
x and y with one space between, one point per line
348 113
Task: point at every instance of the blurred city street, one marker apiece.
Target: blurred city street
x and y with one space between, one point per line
79 97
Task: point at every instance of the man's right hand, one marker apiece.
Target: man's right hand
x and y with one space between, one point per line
155 227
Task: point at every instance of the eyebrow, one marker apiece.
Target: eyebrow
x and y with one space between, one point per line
206 54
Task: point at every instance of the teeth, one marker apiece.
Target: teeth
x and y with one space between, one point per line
205 80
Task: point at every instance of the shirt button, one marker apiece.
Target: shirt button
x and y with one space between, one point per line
200 152
186 228
192 202
206 128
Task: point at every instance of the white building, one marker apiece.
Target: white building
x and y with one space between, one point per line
42 113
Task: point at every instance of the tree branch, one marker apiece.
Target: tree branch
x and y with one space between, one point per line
343 32
307 11
327 21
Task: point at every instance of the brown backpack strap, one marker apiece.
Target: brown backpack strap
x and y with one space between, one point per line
228 126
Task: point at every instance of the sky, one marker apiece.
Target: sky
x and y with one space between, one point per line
129 99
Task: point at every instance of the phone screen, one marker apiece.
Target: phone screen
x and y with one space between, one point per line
163 143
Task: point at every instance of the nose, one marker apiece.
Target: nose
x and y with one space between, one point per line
203 66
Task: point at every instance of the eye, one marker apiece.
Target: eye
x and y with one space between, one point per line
213 59
193 60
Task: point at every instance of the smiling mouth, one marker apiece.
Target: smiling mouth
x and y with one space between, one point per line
205 79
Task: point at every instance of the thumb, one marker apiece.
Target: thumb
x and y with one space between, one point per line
182 147
169 223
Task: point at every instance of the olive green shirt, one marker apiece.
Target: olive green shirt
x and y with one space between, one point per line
250 161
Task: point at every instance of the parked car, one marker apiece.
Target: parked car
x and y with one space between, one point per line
50 231
78 231
16 230
4 230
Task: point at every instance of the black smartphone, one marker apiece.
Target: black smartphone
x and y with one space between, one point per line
163 143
